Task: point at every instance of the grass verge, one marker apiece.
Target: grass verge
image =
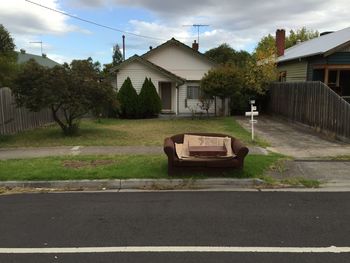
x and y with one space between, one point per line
340 158
117 132
300 181
290 182
114 167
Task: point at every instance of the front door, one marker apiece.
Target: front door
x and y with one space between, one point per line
165 95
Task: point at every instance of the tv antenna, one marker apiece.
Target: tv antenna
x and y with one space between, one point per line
197 26
38 42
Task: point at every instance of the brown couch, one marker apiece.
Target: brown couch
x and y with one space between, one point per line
214 165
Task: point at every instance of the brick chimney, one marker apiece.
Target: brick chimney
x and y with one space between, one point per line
195 45
280 41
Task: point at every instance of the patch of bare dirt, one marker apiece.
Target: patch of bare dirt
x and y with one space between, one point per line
76 164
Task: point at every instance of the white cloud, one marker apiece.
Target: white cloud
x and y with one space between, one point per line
28 22
207 40
237 22
21 17
240 23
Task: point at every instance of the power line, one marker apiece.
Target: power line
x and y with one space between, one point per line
93 23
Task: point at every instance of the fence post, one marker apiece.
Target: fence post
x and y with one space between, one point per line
2 125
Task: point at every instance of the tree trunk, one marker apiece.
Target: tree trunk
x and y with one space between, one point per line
56 119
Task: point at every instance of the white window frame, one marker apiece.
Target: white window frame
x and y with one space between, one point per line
191 94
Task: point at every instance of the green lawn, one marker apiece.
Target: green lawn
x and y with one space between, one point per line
126 132
114 167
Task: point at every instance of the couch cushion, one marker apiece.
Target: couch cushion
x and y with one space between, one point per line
196 140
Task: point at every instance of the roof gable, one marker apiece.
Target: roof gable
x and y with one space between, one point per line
151 65
177 43
180 59
323 45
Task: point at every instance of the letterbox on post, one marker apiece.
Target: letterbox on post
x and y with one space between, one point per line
252 113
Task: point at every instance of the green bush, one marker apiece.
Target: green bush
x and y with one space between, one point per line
128 100
149 101
108 110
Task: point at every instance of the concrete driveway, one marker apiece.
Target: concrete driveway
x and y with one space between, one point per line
314 156
295 140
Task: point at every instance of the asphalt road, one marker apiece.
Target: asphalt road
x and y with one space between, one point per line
213 219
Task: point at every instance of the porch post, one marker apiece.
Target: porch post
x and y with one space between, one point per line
176 99
326 71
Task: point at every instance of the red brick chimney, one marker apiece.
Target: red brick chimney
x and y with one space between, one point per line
195 45
280 41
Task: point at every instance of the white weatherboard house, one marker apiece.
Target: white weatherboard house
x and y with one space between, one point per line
175 70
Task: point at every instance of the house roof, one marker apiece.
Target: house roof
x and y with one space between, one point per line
150 65
43 61
178 43
323 45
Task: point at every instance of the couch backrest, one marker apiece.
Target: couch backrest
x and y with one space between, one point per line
179 138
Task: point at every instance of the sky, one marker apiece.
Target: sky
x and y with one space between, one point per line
240 23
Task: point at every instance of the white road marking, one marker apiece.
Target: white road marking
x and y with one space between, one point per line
174 249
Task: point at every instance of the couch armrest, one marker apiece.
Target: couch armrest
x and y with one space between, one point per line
169 149
239 149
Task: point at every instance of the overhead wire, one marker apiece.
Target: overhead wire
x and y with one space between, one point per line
94 23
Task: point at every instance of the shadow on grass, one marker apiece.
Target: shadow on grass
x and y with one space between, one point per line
53 136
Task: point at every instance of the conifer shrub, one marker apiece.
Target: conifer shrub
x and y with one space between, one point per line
128 101
149 101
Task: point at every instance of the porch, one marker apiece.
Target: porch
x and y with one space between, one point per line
337 77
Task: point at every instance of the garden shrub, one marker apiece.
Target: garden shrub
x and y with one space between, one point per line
128 100
149 101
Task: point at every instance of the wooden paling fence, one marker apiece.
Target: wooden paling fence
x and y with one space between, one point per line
311 103
14 119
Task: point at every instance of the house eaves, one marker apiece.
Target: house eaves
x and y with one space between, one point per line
322 45
151 65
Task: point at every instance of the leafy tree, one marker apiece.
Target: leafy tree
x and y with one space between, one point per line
7 56
128 99
117 58
150 103
70 91
222 82
224 54
301 34
117 55
267 44
107 69
205 102
261 70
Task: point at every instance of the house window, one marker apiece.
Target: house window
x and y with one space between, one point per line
282 76
193 92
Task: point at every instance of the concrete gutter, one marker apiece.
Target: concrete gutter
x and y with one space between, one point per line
121 185
135 184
